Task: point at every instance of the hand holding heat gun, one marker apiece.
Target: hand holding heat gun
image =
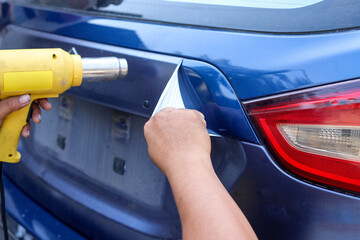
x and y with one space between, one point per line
45 73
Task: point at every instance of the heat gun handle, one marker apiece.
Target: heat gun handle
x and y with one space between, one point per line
10 132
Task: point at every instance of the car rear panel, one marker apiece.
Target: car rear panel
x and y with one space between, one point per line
88 158
23 213
282 206
255 64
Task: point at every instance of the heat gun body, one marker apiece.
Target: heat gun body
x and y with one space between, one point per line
44 73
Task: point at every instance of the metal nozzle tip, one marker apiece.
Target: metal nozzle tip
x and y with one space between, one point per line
123 67
104 69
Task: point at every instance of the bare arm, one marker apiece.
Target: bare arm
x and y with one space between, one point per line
180 146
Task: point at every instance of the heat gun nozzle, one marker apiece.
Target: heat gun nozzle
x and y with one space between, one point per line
104 69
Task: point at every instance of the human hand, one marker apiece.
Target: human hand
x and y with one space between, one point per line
179 144
176 138
12 104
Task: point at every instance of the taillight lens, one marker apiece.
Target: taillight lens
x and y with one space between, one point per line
315 132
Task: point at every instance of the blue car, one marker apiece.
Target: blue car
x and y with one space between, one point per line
278 80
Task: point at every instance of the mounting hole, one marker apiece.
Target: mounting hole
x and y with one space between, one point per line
61 142
54 56
10 155
146 104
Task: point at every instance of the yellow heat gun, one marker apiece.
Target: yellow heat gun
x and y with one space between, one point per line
45 73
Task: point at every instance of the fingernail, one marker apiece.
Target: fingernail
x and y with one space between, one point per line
24 99
39 117
28 133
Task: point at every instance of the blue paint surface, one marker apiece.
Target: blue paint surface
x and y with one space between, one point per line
204 88
280 206
256 64
36 219
115 215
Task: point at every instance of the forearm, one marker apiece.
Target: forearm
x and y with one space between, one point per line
180 146
206 209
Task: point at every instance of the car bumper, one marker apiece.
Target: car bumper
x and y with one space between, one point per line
25 213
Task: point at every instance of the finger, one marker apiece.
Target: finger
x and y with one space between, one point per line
12 104
201 115
194 113
45 104
26 130
36 115
168 109
204 122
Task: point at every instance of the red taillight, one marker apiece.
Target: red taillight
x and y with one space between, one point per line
315 132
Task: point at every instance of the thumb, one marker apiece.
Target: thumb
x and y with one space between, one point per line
12 104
